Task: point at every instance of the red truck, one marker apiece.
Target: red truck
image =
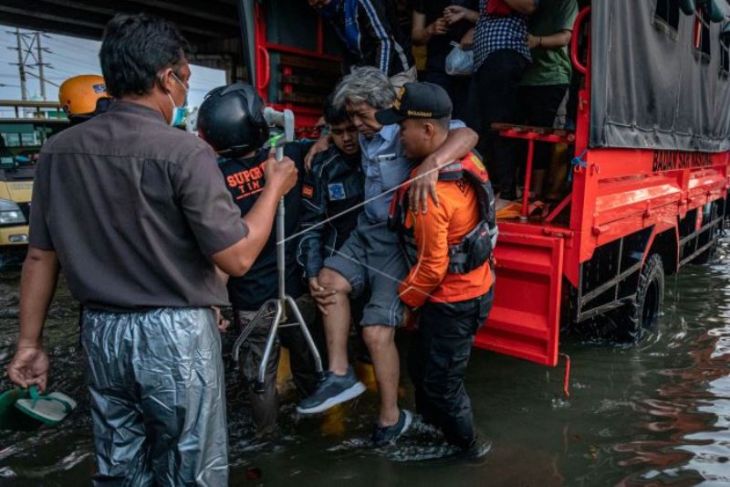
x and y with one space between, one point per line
650 156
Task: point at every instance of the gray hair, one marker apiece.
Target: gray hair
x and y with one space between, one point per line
365 84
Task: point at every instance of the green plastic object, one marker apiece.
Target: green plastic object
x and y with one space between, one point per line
274 140
717 13
688 6
7 401
712 9
49 409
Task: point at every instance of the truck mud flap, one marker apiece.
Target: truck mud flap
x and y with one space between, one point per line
525 319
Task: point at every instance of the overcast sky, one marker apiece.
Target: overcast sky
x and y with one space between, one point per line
71 56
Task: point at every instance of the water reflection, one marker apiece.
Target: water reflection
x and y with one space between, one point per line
692 408
658 414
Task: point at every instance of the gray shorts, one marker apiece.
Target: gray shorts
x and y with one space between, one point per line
371 259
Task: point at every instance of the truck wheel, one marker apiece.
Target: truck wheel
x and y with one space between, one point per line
634 320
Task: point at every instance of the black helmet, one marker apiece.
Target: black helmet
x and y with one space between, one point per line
231 120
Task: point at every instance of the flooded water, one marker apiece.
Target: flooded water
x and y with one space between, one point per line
657 414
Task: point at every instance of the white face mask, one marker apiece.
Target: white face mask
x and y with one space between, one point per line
179 113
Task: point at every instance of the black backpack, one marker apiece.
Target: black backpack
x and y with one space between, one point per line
477 246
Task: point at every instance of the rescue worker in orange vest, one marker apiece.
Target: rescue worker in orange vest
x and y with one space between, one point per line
83 97
449 247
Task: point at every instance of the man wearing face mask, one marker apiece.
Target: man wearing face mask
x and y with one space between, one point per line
137 216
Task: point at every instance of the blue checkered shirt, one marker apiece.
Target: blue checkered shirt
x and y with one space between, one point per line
494 32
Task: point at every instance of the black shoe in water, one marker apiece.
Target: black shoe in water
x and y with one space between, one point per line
385 435
333 390
476 450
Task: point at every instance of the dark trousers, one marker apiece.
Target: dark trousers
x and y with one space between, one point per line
437 363
493 97
539 106
265 405
456 86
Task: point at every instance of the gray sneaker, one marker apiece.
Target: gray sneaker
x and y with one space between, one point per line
333 390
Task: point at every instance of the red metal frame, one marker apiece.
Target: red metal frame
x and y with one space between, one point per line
525 318
306 117
532 135
574 42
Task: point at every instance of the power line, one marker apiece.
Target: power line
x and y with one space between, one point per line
72 43
73 60
45 80
65 71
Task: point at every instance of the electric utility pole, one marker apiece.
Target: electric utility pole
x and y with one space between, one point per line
21 66
41 65
30 56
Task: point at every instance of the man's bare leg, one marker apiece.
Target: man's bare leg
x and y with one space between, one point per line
380 340
337 319
341 384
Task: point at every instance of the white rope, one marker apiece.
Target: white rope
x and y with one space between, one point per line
357 206
378 271
370 268
384 274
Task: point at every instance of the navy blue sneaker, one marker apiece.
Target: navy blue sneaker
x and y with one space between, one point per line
333 390
386 435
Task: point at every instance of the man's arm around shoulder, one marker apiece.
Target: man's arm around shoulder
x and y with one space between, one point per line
459 143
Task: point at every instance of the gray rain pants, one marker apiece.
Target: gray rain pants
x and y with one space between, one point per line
157 397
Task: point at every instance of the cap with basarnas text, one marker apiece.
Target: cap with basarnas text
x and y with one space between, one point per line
417 100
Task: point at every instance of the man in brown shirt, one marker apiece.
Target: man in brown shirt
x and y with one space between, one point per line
135 213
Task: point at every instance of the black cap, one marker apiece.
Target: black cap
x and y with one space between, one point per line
417 100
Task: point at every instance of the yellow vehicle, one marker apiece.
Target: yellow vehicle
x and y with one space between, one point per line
24 127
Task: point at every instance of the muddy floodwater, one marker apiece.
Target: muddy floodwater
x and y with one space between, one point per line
654 414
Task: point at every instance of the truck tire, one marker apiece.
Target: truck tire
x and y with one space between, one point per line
634 320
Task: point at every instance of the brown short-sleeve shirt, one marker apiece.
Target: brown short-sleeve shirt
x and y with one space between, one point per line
134 209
